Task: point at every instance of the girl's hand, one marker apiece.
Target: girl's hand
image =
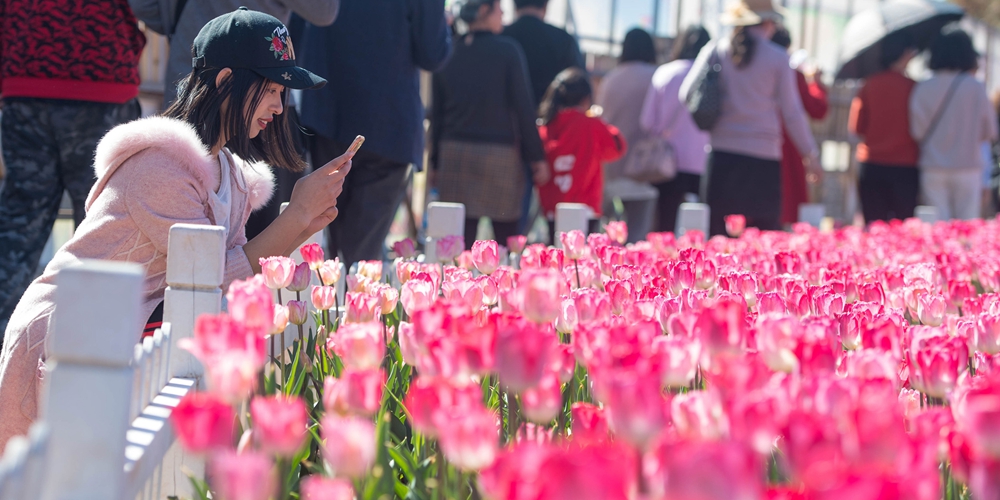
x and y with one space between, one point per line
314 197
540 172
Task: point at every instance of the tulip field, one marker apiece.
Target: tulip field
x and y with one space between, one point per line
847 364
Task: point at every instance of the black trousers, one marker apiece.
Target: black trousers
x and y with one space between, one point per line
501 230
737 184
888 192
48 148
372 193
671 196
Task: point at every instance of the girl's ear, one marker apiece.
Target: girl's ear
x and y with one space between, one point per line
221 77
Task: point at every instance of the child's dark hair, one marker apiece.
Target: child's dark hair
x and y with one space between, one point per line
199 102
570 88
894 46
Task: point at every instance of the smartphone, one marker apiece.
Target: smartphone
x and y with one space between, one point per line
356 145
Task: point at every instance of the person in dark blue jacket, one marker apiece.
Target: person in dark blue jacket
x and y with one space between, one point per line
372 54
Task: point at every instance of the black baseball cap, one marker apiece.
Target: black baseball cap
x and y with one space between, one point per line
252 40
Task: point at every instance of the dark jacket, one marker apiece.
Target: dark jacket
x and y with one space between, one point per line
61 49
372 56
482 95
548 50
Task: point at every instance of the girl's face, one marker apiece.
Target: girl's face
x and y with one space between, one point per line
271 104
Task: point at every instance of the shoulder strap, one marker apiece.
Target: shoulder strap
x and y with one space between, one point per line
941 108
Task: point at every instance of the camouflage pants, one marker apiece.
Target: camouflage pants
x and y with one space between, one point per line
48 147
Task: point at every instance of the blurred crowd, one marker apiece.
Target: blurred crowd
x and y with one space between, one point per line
517 123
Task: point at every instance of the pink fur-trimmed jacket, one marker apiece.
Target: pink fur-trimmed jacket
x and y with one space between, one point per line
151 174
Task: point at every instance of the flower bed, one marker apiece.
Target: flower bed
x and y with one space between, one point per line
809 364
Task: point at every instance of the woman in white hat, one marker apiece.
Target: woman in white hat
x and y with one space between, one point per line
743 174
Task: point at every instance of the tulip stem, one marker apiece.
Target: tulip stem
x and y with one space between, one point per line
512 420
441 474
576 266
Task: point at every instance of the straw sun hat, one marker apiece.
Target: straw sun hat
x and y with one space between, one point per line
752 12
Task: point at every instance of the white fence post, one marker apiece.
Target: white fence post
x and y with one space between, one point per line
926 213
196 259
96 323
570 217
812 213
443 219
692 216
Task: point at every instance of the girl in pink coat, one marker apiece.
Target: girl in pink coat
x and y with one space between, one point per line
205 161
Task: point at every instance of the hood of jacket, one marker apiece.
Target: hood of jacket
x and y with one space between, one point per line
180 140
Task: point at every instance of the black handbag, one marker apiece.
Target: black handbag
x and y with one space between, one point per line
704 99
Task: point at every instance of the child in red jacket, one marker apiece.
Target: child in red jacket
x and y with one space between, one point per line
576 145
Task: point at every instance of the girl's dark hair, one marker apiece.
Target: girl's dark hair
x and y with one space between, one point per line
953 50
200 102
893 46
638 46
782 37
469 11
744 46
569 89
689 43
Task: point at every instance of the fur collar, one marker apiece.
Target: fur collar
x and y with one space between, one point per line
181 140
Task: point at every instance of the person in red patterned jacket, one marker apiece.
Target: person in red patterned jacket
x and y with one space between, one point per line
69 72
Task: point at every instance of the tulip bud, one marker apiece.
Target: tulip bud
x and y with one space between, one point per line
203 422
541 404
280 319
277 271
388 297
617 231
486 256
449 248
320 488
324 297
735 225
313 255
516 243
245 476
356 392
349 445
300 278
298 312
405 249
279 424
329 272
573 243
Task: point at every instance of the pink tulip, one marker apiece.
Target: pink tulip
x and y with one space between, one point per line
988 334
361 307
931 309
371 269
300 278
976 407
936 361
280 319
523 350
388 297
247 476
233 375
312 254
252 304
573 243
541 404
704 470
215 336
679 359
329 272
699 415
358 283
469 439
465 261
617 231
279 424
449 247
298 312
277 271
516 243
777 340
636 409
486 256
320 488
348 445
405 248
359 345
568 318
466 292
735 225
356 392
417 295
324 297
431 399
590 424
491 293
203 423
405 270
540 299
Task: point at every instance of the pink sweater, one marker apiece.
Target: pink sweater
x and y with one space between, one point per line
152 173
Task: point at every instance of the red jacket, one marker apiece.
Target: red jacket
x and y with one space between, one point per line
86 50
576 146
794 190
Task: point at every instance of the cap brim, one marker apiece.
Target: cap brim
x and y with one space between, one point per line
292 77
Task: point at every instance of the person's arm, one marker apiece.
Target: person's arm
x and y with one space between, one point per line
430 36
813 96
319 13
793 114
989 126
612 142
648 117
158 15
857 121
519 95
920 115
